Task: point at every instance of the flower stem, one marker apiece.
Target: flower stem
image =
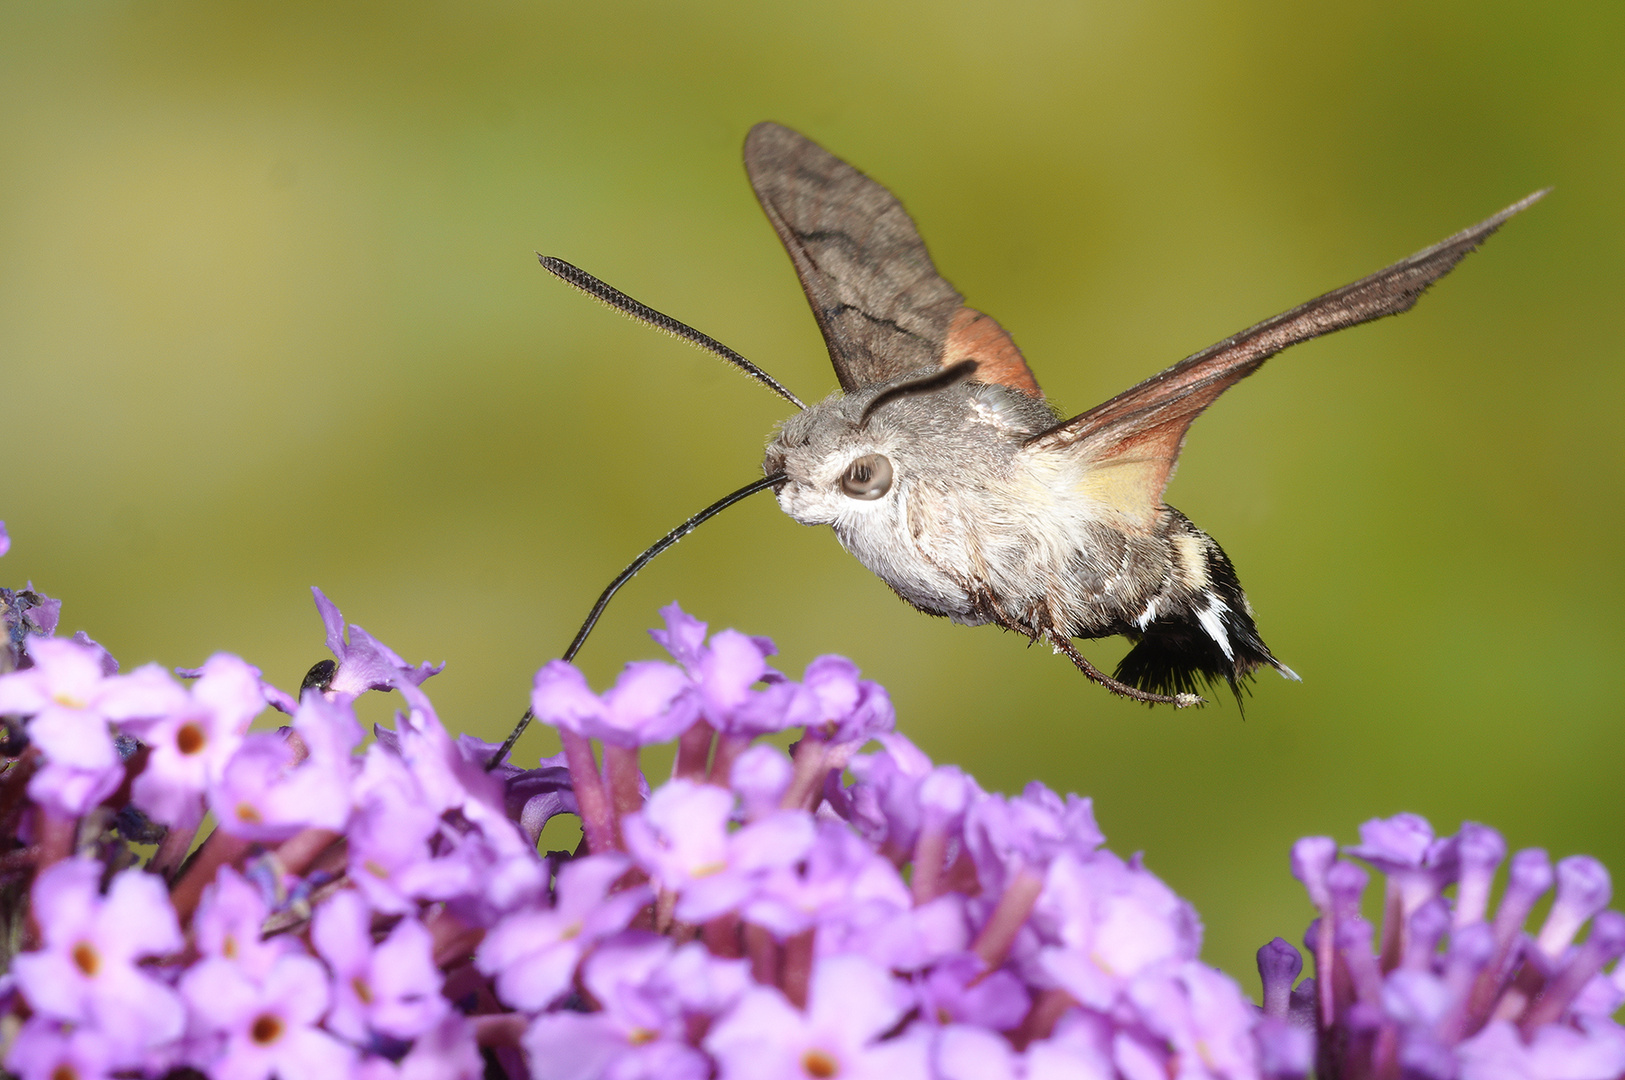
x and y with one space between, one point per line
597 820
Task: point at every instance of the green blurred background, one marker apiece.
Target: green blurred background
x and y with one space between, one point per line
270 317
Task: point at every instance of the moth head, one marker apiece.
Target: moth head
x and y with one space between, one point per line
853 459
836 469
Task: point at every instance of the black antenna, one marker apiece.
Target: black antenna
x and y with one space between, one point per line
643 313
925 384
626 575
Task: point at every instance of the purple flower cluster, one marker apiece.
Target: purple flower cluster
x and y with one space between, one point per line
186 896
1449 989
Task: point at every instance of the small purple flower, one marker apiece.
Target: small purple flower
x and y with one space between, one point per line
838 705
638 1032
49 1049
1554 1053
960 989
534 953
760 776
649 703
884 803
62 693
680 838
1105 921
840 884
683 636
364 662
392 987
265 793
446 1052
1203 1020
1007 836
87 971
191 737
229 925
254 1029
390 832
851 1003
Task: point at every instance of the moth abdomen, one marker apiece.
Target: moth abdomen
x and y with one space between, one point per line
1200 629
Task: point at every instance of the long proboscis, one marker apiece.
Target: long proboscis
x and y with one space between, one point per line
643 313
627 575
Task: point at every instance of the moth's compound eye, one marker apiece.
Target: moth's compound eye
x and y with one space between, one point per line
869 477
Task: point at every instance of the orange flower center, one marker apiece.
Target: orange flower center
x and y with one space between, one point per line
267 1029
190 739
87 959
821 1066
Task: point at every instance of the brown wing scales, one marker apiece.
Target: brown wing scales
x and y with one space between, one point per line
974 336
879 301
1134 439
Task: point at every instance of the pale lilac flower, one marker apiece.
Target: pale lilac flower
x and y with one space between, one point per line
1202 1023
681 838
884 803
1080 1048
534 953
638 1031
839 882
1593 1052
760 776
702 985
87 971
724 673
447 1051
192 736
390 832
49 1049
1105 921
392 987
877 922
960 989
968 1052
230 922
840 707
258 1028
649 703
1010 835
683 636
364 662
851 1003
62 695
265 793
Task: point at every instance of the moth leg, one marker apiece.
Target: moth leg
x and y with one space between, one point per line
1064 644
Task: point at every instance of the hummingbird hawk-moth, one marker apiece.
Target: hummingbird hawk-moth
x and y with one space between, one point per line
942 467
